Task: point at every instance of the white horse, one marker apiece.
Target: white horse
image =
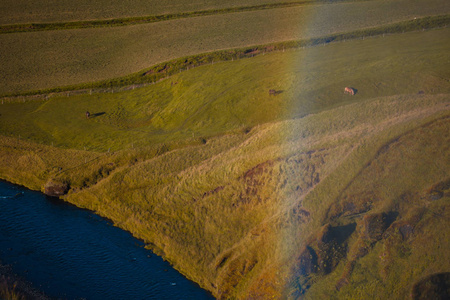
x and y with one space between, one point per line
349 90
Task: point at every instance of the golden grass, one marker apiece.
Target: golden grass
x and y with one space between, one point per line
201 182
170 199
234 206
399 179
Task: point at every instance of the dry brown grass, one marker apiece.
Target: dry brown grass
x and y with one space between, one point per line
77 56
13 12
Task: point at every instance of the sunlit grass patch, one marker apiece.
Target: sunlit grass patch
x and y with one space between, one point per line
234 95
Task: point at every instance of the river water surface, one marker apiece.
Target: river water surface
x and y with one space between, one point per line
72 253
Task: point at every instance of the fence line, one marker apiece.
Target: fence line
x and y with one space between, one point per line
255 52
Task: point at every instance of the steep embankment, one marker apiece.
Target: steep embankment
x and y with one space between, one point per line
236 213
263 186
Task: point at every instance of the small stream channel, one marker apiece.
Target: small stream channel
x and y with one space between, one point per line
71 253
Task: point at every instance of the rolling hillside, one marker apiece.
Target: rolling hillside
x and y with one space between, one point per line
302 192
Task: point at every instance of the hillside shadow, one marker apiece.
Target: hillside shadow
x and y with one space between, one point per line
340 233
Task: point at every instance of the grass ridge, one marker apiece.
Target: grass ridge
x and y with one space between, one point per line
165 69
32 27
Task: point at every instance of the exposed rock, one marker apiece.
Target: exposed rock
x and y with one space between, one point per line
338 234
55 189
402 229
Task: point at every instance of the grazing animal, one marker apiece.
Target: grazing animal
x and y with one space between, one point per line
349 90
87 115
272 92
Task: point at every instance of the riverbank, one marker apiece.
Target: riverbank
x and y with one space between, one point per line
168 197
258 194
12 286
71 253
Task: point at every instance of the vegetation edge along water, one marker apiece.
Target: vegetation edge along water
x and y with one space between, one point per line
211 205
165 69
198 208
114 171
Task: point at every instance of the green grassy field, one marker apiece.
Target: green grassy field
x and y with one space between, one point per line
48 59
182 106
306 193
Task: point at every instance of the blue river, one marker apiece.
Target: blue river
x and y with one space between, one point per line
71 253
